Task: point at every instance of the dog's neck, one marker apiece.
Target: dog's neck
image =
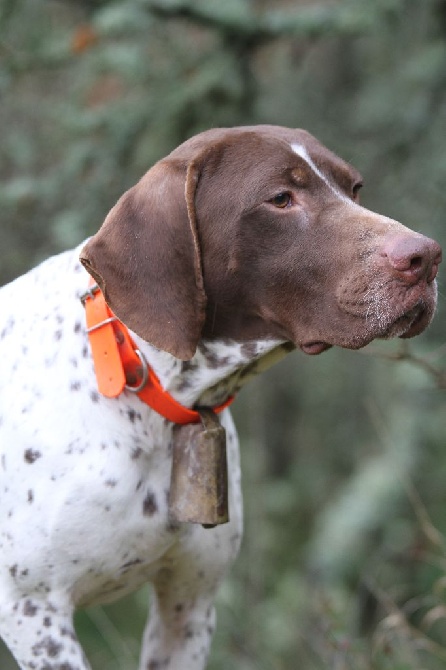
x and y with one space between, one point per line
217 370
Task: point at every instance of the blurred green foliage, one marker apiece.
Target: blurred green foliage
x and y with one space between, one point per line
344 463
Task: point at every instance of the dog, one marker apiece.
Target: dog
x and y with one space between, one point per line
239 246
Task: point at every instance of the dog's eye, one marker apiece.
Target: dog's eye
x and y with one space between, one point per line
355 190
281 200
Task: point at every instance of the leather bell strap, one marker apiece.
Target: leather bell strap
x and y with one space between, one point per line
120 366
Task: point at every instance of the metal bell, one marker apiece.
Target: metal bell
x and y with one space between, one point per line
199 477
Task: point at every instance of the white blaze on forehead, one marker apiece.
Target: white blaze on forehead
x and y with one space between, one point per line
301 151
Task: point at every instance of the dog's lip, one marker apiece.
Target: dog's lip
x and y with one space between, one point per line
314 348
410 323
418 323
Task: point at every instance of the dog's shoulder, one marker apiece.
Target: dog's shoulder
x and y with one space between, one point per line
42 297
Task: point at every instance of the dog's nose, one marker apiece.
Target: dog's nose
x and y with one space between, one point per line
412 257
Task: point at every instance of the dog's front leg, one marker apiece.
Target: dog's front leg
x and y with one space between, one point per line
179 631
182 614
40 635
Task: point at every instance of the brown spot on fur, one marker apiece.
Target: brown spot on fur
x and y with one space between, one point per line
29 609
31 455
150 505
49 645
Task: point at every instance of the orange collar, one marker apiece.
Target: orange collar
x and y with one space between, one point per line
119 365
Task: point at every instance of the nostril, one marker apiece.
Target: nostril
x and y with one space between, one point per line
416 263
405 260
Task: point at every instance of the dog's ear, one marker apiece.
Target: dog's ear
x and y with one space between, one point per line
146 259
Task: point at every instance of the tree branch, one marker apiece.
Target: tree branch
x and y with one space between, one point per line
309 22
406 355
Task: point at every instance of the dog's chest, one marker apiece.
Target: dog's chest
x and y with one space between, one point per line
127 531
100 506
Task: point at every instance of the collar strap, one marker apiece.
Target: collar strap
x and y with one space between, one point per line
121 366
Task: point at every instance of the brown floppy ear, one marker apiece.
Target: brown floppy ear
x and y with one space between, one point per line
146 259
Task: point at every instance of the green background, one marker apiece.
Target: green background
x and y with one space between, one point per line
344 458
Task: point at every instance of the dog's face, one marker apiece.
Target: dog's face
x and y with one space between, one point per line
254 233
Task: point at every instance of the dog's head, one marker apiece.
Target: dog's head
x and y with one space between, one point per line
255 233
